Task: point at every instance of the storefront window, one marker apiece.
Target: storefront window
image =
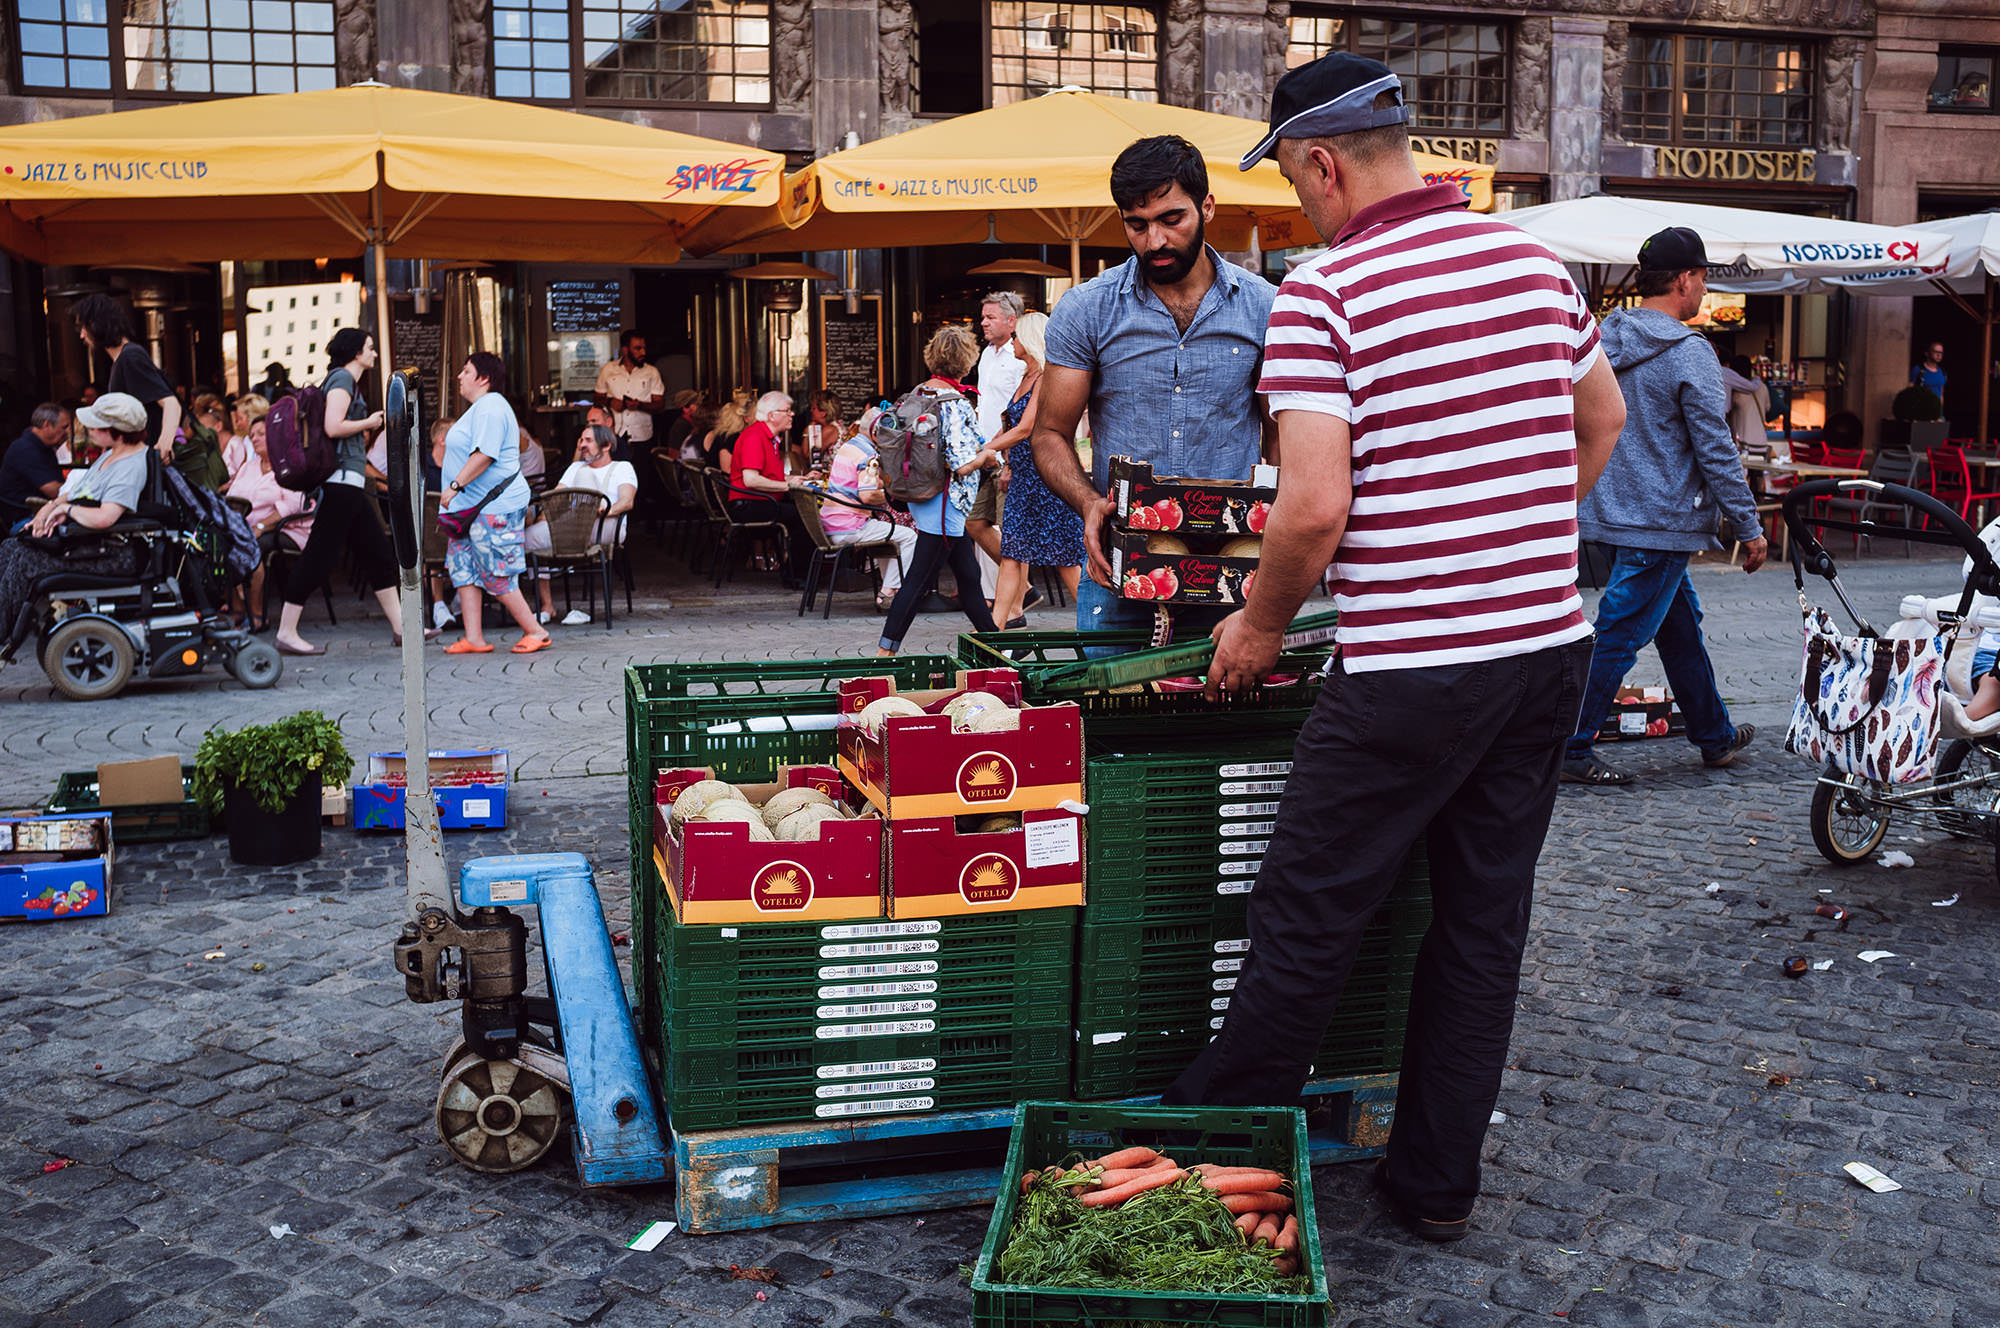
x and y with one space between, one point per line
623 51
1112 49
176 47
1702 89
1964 79
1454 73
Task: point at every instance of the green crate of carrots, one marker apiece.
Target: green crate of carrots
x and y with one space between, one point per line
1156 1215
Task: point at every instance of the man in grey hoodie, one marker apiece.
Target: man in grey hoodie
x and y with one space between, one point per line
1674 470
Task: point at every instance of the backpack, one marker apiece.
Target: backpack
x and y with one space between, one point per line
234 548
302 456
909 440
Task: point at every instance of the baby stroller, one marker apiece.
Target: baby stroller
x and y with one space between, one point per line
1887 751
92 632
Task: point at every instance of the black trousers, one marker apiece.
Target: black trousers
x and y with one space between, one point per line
346 518
932 553
1466 758
798 543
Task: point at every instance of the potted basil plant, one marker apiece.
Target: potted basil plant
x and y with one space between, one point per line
265 781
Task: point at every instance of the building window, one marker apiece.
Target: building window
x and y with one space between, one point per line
1113 49
633 51
1692 88
176 47
1964 79
1454 73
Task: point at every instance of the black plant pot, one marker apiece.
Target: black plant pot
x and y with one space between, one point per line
258 838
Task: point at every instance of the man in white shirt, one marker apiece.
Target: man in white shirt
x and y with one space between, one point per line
595 468
1000 371
633 390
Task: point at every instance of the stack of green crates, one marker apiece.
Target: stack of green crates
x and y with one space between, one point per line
1164 923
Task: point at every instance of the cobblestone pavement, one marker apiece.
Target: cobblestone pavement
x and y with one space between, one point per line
1677 1111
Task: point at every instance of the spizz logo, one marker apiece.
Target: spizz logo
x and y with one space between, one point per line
723 177
989 879
986 777
1903 251
782 887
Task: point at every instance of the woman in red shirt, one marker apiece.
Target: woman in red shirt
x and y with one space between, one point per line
758 488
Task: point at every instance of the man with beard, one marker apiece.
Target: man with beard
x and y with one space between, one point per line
1165 350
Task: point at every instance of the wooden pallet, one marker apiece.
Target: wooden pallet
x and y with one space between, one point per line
773 1175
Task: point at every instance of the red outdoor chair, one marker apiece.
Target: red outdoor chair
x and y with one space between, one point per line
1950 479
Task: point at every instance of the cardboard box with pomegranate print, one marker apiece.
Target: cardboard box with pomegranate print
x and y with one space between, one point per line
938 870
1146 502
715 872
919 766
1178 578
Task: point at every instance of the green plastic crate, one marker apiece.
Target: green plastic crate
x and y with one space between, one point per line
140 823
1045 1132
1054 664
1144 1062
1000 1008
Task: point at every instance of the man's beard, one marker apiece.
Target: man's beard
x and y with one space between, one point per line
1183 259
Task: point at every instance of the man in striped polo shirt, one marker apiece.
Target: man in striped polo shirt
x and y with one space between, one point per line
1441 404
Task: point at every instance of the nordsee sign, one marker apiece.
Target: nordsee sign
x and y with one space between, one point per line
1734 164
1900 252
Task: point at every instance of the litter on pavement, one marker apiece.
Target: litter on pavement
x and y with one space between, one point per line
1869 1176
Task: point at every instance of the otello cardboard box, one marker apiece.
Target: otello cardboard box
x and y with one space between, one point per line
943 866
715 872
920 766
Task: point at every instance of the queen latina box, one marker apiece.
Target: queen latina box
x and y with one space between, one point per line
723 871
925 764
943 866
1144 502
1144 568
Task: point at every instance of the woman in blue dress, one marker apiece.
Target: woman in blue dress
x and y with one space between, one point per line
1036 527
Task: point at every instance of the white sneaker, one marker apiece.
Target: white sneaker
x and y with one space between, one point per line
440 615
542 616
575 618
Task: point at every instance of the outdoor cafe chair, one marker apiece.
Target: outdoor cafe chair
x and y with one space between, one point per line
831 557
573 516
683 515
749 529
715 517
1889 467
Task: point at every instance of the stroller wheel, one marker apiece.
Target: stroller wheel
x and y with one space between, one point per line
89 659
1969 813
1846 825
256 664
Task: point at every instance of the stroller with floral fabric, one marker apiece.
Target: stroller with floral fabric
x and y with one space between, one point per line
1883 714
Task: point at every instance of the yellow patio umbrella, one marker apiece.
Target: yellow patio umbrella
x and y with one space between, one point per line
1033 172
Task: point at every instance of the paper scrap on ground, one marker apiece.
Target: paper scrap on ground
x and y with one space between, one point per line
1869 1176
1870 956
651 1237
282 1230
1822 966
1895 857
1712 888
1944 903
1497 1118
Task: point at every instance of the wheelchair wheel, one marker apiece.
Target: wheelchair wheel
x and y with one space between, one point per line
89 659
1846 827
257 665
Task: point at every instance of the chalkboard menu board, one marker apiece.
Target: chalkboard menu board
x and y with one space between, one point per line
851 351
417 342
586 306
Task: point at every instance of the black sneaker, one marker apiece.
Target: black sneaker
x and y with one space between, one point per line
1727 756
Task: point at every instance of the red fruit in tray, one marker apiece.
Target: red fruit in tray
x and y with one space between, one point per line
1165 583
1138 586
1170 515
1259 514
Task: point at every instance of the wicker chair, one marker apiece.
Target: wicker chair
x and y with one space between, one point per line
714 517
573 515
734 526
831 557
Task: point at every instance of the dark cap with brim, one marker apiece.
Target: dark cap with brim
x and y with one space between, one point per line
1675 249
1333 95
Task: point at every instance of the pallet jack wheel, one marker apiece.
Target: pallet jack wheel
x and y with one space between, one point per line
497 1116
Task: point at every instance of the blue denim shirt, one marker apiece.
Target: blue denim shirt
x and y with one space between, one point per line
1187 402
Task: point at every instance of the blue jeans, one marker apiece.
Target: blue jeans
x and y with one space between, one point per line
1649 598
1101 610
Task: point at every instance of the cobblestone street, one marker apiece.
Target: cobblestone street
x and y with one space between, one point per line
1677 1113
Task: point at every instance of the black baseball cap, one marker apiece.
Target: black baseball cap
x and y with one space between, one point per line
1675 249
1335 94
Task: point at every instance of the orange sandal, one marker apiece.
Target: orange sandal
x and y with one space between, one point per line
464 647
528 645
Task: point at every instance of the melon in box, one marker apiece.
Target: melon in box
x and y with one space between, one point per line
55 867
938 759
731 871
943 866
470 788
1146 502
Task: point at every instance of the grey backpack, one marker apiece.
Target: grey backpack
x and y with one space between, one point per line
910 443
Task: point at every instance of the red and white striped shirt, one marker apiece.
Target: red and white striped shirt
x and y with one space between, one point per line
1451 344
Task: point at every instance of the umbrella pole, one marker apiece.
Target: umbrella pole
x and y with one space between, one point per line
1075 261
1979 431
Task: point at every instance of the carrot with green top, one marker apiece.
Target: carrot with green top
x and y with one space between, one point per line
1152 1180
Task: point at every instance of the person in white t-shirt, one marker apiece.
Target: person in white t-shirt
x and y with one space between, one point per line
632 389
597 469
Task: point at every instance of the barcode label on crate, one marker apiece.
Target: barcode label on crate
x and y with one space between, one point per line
1233 887
861 931
909 968
1224 984
864 990
1219 1003
879 1107
877 1010
1102 1039
901 1028
1235 849
1240 829
1228 965
869 949
1230 809
864 1069
1215 1024
1254 769
1232 947
1243 788
1240 868
879 1086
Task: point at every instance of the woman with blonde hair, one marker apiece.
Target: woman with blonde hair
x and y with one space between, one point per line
732 418
949 355
1036 526
237 452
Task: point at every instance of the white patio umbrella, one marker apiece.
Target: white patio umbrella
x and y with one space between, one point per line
1970 280
1751 252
